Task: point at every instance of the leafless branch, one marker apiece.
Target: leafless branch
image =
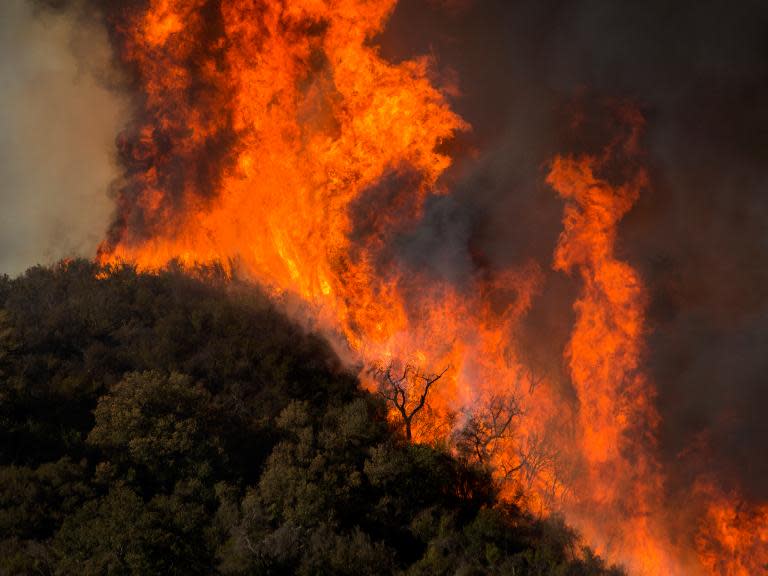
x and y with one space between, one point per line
487 425
405 390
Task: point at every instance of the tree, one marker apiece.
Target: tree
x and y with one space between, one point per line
8 343
406 390
154 423
487 427
157 424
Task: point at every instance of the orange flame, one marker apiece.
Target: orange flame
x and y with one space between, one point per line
733 539
604 356
266 126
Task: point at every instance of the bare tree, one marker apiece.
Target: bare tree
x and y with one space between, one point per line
406 390
541 462
535 377
486 427
536 456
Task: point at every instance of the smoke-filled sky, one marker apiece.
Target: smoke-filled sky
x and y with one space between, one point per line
521 74
57 131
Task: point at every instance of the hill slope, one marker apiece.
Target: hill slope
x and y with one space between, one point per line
168 425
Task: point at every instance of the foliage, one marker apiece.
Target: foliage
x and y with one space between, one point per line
165 424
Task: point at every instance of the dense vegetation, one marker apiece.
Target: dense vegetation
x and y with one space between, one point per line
169 425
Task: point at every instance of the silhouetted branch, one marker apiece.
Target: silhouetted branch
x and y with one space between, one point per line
399 389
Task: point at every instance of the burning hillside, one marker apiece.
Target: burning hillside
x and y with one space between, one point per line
278 139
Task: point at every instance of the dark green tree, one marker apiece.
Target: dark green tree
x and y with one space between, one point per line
177 423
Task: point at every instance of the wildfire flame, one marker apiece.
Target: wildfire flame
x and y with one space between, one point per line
604 356
733 540
273 138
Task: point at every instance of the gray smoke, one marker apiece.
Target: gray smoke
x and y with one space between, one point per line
57 130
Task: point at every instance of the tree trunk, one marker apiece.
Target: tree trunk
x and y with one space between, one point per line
408 435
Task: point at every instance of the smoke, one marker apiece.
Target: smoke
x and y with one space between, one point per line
58 123
697 71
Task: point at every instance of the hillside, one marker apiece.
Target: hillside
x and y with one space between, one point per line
160 424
